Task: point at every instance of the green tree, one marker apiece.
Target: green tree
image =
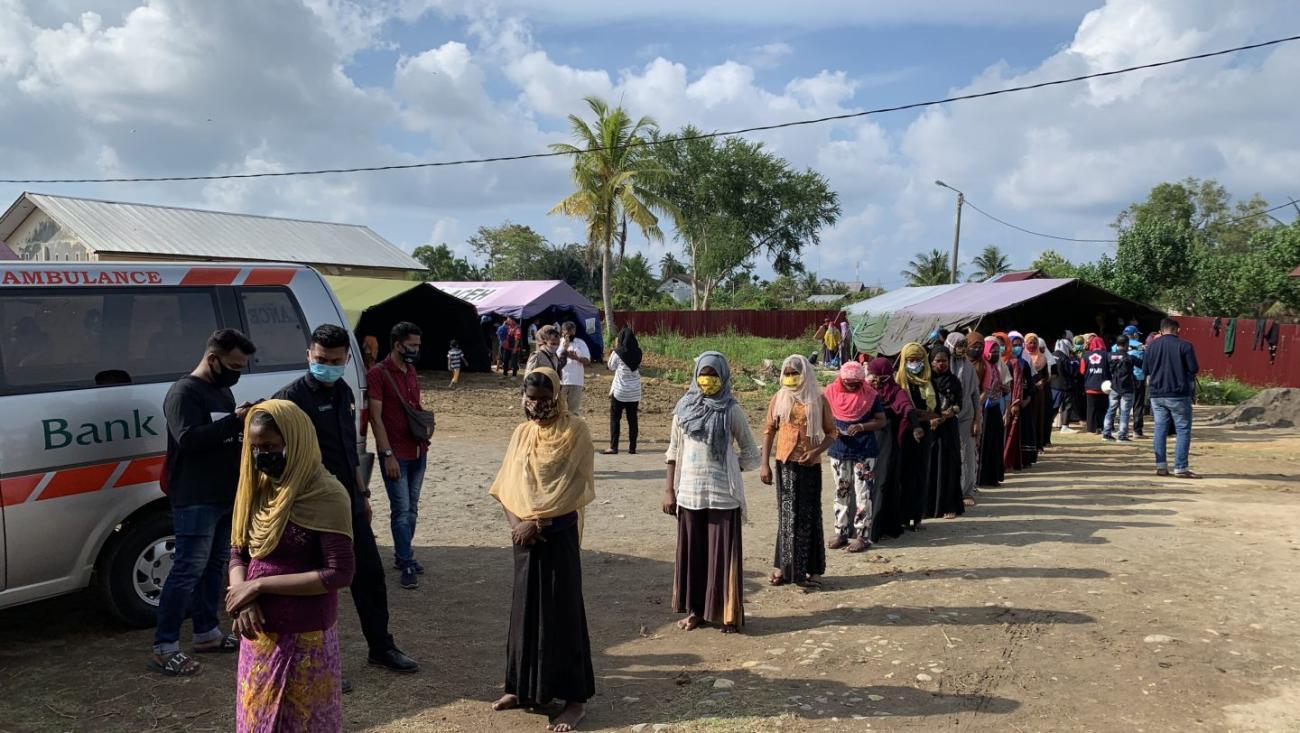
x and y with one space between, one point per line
611 170
669 265
929 268
1153 260
989 263
440 263
1203 205
636 284
1053 264
510 251
735 200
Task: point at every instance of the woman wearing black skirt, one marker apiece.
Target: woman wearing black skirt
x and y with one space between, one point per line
900 415
545 480
943 496
996 380
800 424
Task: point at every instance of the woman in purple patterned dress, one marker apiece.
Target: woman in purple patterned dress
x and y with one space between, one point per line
291 538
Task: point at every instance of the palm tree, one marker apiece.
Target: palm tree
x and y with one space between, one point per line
669 266
929 268
989 264
610 170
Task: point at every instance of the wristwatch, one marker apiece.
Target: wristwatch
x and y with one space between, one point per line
386 453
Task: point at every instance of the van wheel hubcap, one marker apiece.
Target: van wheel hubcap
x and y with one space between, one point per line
151 569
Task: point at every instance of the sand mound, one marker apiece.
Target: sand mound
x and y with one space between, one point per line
1276 407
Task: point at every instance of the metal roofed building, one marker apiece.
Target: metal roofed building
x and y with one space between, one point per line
41 227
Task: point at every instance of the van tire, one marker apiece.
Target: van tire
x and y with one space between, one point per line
115 572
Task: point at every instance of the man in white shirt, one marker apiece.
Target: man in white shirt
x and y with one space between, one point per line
575 369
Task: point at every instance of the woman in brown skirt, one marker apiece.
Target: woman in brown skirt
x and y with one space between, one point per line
800 427
711 445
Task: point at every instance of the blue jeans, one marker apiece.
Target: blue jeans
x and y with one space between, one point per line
1180 409
404 501
197 581
1123 403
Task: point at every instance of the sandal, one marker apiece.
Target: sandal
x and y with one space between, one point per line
228 644
176 664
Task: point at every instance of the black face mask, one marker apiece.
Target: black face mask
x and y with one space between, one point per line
227 377
271 463
410 356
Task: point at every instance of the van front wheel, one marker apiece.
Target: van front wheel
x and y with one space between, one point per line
133 568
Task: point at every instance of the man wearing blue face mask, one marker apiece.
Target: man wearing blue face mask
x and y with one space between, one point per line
329 402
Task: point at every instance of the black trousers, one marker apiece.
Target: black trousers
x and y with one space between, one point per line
369 593
616 410
1097 406
1139 407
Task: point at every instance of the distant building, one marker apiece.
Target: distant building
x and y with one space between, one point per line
827 299
680 288
47 228
1012 277
6 253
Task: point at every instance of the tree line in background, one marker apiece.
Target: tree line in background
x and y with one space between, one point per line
1188 248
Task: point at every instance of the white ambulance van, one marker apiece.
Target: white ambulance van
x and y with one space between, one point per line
87 353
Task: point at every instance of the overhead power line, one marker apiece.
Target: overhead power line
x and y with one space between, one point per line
1222 222
722 133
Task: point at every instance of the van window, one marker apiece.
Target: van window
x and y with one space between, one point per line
54 340
276 327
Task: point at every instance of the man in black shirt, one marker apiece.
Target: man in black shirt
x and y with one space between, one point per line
329 402
202 473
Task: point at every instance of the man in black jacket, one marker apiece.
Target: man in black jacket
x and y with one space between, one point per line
329 402
1123 385
202 472
1171 370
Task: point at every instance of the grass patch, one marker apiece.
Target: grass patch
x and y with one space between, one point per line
671 356
1211 391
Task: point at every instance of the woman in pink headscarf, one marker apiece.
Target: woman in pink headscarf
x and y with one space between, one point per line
858 414
900 416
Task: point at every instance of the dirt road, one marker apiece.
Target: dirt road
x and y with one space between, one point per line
1084 595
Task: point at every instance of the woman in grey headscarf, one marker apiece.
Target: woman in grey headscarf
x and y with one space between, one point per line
968 418
710 445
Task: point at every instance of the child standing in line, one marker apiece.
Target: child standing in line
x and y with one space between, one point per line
455 359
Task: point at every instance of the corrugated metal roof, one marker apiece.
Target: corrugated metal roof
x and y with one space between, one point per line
6 253
1011 277
108 226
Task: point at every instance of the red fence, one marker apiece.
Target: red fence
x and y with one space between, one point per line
768 324
1245 363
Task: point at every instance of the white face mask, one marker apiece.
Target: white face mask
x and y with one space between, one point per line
915 367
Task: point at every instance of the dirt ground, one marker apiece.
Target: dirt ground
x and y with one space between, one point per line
1085 595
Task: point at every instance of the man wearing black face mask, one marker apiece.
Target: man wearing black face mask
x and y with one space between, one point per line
202 471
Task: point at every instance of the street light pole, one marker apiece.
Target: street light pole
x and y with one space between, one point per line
956 235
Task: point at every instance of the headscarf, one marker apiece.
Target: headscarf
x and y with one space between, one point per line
849 406
548 470
1004 340
921 381
807 393
947 385
1038 359
895 398
1096 344
975 348
1064 346
954 338
629 349
999 371
702 417
305 494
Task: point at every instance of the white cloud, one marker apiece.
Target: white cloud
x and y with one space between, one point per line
769 55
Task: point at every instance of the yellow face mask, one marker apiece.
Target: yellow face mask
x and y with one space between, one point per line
709 385
792 381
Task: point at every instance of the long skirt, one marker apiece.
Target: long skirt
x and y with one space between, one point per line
1043 399
915 473
799 549
548 656
709 578
969 456
1029 431
943 485
289 683
887 499
992 472
1013 458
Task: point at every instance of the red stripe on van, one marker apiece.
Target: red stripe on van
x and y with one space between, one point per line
210 276
141 471
16 489
269 276
78 481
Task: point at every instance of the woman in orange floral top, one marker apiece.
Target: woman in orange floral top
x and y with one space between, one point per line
800 426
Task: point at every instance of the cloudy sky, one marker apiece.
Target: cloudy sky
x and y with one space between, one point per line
166 87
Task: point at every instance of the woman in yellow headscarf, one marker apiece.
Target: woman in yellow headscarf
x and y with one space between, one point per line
913 375
545 481
291 537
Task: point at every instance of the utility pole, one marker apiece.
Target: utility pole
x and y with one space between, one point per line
956 235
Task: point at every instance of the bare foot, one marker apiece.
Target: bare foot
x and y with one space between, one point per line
690 623
507 702
569 718
858 545
730 629
950 515
968 501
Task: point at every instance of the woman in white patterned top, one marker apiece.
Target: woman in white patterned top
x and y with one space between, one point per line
625 392
711 445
